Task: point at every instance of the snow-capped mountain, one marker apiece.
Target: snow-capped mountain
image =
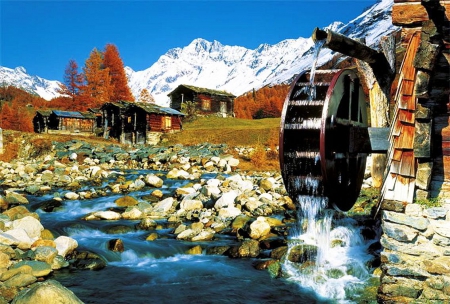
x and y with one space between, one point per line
18 77
236 69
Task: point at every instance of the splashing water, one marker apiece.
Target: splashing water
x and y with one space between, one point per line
326 255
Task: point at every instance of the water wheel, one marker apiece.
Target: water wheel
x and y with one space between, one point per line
317 154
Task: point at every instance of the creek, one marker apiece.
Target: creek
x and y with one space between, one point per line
158 271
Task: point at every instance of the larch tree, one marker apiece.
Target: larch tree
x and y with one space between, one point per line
98 88
146 97
119 83
73 82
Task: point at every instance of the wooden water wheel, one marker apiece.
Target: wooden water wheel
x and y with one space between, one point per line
321 121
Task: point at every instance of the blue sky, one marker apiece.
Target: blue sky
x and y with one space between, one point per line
43 36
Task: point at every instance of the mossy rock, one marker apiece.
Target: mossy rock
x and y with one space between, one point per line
126 201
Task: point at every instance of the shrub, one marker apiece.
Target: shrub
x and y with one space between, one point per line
258 156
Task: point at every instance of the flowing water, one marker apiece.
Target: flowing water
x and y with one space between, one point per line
158 271
327 252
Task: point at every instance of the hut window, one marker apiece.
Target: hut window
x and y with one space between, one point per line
167 122
206 104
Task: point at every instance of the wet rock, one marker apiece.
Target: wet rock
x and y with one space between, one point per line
32 226
147 224
65 245
195 250
116 245
20 280
71 196
247 249
46 292
132 213
191 204
38 268
152 236
126 201
45 254
204 235
50 205
153 180
302 253
226 200
259 228
164 205
279 252
14 198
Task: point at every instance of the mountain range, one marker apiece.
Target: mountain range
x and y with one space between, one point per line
234 69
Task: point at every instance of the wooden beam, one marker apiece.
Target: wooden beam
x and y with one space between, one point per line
414 13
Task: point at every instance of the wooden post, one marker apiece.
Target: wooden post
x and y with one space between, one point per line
379 96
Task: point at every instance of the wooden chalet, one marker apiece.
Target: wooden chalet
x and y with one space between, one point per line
137 123
207 101
55 121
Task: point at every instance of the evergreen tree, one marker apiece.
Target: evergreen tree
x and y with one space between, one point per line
146 97
113 62
98 88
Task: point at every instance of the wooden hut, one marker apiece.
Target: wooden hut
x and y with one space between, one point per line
55 121
132 123
143 120
207 101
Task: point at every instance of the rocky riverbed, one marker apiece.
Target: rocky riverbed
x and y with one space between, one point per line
254 209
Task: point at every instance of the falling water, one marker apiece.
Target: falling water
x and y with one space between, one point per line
325 254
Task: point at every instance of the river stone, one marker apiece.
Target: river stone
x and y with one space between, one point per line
5 260
107 215
147 224
177 174
65 245
204 235
180 229
164 205
59 262
8 239
20 280
17 212
152 236
32 189
39 269
226 200
248 249
302 253
189 204
267 183
14 198
9 273
31 225
126 201
229 213
195 250
45 254
252 204
47 292
239 222
71 196
259 228
157 193
153 180
213 182
186 234
132 213
116 245
24 241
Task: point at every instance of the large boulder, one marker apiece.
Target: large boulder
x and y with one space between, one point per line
46 292
65 245
259 228
31 225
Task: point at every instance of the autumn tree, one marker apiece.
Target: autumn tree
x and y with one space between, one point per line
146 97
119 83
98 88
73 82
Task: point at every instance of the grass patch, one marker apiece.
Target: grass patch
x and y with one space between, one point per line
430 203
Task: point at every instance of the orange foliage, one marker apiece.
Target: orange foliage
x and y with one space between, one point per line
112 61
264 103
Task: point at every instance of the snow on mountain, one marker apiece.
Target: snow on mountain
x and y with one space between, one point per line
237 70
18 77
231 68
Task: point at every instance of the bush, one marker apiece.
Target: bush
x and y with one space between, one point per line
258 158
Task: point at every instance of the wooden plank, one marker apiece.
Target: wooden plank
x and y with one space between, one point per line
406 138
413 13
407 164
406 116
397 154
395 167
